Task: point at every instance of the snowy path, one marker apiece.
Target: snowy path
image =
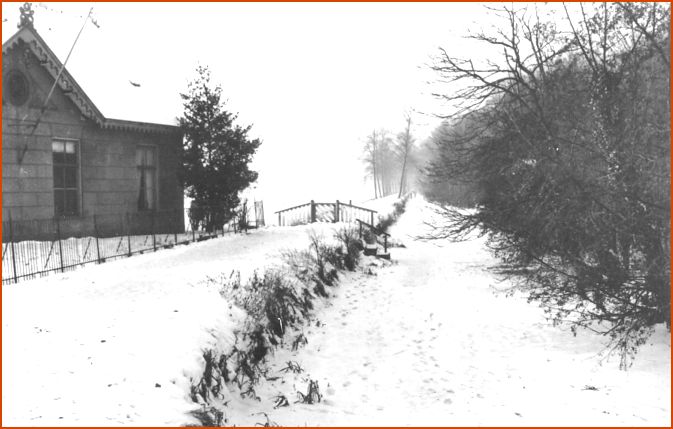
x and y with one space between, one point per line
424 342
427 342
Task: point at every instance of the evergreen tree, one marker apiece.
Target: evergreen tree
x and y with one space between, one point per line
216 153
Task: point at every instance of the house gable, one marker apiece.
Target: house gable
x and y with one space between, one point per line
20 60
28 40
31 45
106 181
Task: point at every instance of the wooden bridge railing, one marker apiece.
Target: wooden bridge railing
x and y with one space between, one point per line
364 226
324 212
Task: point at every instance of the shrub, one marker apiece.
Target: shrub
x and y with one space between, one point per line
572 166
318 265
348 236
210 383
283 307
312 395
259 346
398 209
273 302
209 417
326 273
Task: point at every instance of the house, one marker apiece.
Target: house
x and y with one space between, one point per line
63 159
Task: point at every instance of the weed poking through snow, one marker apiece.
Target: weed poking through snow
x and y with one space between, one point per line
268 422
312 396
280 401
292 367
300 340
209 417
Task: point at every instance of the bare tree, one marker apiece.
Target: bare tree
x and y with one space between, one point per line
370 159
387 162
404 144
380 162
568 143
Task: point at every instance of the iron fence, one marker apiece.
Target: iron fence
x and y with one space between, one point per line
32 248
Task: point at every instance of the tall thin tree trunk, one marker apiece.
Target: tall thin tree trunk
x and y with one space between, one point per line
407 139
376 195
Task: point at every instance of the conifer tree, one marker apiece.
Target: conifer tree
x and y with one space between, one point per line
216 153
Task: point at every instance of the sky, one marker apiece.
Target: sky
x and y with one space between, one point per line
312 78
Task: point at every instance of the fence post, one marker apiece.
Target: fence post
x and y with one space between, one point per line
95 231
371 218
385 243
128 231
11 240
175 227
261 212
279 219
60 246
154 236
312 211
336 212
192 224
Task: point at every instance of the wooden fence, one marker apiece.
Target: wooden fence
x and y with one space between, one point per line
312 212
372 235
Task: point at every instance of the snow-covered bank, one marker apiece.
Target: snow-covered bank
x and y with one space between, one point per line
427 341
422 341
382 206
115 344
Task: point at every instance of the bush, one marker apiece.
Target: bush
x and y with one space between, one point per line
572 164
348 236
398 209
273 302
318 265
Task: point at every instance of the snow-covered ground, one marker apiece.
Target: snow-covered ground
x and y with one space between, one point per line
382 206
426 340
115 344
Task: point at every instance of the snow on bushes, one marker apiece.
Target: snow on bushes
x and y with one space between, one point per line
277 302
399 207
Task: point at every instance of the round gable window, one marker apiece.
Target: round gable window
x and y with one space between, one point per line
17 88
